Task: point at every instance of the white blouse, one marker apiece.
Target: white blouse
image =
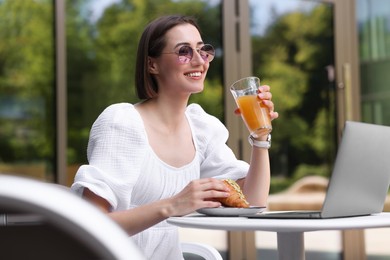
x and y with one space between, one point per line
124 170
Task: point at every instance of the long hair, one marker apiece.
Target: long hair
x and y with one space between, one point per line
151 44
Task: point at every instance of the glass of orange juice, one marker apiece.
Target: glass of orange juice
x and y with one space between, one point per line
254 113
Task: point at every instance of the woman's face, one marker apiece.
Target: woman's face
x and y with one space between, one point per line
176 77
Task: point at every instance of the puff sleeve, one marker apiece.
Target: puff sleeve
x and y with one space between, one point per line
116 148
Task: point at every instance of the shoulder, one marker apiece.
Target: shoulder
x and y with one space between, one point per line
120 114
120 118
201 117
207 128
116 129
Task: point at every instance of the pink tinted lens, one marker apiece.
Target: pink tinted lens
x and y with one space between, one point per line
207 52
185 54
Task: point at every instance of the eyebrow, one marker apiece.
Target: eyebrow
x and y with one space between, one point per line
187 43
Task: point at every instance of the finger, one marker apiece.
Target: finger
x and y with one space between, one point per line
212 184
265 95
264 88
274 115
211 180
208 180
271 107
211 204
203 180
213 194
269 104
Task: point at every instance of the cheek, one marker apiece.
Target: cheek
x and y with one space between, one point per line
206 66
169 72
168 67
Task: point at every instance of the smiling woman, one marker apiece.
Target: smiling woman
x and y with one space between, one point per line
162 157
101 48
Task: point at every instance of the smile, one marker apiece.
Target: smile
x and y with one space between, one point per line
194 74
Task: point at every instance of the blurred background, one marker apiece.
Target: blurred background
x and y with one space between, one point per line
62 62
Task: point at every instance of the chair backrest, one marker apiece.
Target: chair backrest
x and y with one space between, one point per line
58 212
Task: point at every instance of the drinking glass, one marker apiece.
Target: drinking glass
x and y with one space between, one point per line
254 113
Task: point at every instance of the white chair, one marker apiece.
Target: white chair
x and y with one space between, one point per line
203 250
61 214
42 220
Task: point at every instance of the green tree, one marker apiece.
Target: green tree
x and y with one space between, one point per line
26 81
292 57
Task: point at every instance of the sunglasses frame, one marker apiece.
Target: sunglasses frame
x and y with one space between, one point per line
184 58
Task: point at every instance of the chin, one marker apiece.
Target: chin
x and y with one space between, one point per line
198 90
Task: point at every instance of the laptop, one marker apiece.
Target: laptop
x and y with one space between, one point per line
360 179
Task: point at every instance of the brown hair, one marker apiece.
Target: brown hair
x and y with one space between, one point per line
151 44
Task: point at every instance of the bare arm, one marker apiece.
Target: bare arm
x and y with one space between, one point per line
197 194
256 184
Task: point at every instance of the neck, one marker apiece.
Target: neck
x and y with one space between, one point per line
169 114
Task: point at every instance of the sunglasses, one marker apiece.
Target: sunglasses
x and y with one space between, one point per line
185 53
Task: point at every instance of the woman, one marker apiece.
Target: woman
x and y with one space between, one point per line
160 157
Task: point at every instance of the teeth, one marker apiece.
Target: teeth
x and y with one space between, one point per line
194 74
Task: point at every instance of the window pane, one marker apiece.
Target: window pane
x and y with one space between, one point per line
27 114
374 43
293 52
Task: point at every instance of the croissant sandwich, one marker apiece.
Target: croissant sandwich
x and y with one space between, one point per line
236 198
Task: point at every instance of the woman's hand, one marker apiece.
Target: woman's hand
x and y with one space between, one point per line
199 194
265 96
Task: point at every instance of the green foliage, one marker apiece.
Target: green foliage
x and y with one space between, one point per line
291 57
304 170
27 80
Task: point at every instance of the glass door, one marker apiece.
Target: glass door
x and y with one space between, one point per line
27 103
373 23
293 51
305 50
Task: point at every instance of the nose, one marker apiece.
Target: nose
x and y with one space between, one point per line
196 58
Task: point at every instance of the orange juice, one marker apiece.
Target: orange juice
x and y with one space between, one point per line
255 115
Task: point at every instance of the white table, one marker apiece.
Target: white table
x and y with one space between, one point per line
290 232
